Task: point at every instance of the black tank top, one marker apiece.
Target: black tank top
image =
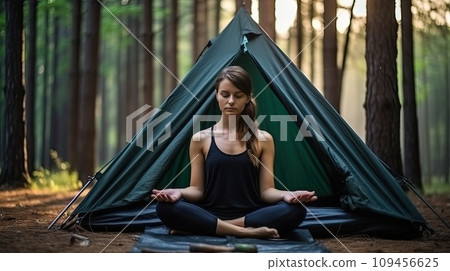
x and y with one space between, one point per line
231 183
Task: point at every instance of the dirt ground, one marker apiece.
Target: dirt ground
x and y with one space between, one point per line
26 214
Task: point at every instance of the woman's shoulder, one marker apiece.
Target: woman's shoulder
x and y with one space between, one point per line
265 142
264 136
201 141
202 135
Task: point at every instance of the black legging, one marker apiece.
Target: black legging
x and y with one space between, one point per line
189 217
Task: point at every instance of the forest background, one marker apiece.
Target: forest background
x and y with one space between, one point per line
86 65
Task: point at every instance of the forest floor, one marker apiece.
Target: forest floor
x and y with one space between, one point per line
25 215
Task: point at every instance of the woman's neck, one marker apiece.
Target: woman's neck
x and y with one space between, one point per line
228 126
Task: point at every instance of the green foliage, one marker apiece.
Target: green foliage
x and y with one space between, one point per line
437 186
114 19
61 178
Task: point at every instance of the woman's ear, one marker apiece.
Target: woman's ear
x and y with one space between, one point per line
249 98
216 94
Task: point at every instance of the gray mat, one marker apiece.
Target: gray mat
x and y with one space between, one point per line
157 239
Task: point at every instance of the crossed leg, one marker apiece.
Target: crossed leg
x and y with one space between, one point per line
236 227
184 217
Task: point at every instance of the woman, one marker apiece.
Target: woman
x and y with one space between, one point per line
232 190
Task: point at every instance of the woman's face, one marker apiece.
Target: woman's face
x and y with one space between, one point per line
231 100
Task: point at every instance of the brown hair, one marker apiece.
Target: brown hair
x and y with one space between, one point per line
242 80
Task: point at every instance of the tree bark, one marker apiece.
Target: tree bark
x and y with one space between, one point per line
121 94
132 67
217 18
2 83
382 102
447 115
200 27
330 68
299 34
14 158
74 84
425 131
103 116
267 17
345 50
411 133
87 144
30 96
171 49
148 58
312 46
55 113
45 154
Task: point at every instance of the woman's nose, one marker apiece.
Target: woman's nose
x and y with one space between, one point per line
231 100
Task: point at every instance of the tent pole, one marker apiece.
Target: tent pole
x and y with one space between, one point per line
90 179
427 204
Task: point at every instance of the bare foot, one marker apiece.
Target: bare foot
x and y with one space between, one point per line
261 232
178 232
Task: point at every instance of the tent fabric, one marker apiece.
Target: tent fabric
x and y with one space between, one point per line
330 159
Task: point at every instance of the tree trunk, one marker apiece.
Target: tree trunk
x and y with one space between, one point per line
200 27
312 46
45 158
171 49
426 138
2 83
382 102
411 133
55 128
330 68
31 86
14 158
345 50
217 18
131 70
121 93
87 145
299 34
148 58
103 142
74 84
447 115
267 17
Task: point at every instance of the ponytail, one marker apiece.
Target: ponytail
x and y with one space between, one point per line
252 142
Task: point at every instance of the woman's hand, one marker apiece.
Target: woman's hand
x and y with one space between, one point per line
166 195
300 196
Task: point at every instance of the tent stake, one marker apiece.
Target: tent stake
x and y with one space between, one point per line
90 179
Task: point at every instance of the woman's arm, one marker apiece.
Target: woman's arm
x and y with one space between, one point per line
266 178
194 192
269 193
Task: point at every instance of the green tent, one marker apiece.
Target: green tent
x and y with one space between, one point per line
315 147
